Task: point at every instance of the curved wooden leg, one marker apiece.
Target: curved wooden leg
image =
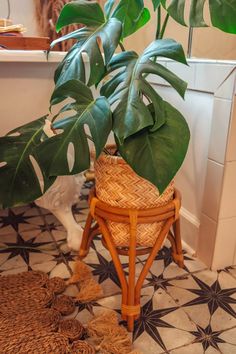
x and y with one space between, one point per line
84 248
178 257
132 309
152 255
115 257
171 238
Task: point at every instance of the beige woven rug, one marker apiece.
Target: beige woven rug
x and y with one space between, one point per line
32 307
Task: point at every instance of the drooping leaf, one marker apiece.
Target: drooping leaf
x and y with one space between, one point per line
132 14
96 114
222 13
88 13
176 10
156 3
19 183
130 88
98 36
108 7
196 18
74 89
157 156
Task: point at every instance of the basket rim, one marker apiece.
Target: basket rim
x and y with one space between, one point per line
112 159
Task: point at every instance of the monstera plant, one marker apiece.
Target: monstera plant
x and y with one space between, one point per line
151 135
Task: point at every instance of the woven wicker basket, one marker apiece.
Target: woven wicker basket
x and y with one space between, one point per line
119 186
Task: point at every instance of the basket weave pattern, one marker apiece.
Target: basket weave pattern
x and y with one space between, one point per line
119 186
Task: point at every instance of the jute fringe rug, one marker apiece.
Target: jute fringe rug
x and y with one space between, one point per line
32 310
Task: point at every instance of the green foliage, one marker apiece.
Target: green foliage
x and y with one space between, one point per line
151 135
158 155
82 12
19 183
92 39
156 3
96 114
222 12
130 88
108 7
132 14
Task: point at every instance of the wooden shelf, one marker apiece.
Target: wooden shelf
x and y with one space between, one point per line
25 43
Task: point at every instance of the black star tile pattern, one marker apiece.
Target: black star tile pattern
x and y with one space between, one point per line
149 322
158 282
214 296
14 219
105 269
67 256
207 337
22 248
152 320
165 255
87 306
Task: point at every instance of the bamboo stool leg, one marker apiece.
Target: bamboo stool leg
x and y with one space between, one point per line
178 256
156 248
84 248
115 257
131 310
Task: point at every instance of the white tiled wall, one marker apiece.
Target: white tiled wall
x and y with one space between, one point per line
220 128
206 239
207 178
211 77
231 148
219 202
228 198
212 192
225 243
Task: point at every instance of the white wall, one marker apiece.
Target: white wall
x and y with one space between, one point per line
25 91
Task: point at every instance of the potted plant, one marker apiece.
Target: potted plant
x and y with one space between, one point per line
150 134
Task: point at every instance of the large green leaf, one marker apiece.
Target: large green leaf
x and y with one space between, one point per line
96 114
129 88
96 37
132 14
222 12
157 156
72 89
82 12
19 183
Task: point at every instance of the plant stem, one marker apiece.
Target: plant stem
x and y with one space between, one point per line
104 149
158 22
190 41
164 26
122 47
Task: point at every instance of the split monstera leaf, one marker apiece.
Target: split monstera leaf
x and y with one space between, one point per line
151 135
222 12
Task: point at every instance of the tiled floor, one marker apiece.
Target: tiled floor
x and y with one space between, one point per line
184 311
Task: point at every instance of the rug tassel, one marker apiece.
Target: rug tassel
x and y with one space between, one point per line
104 330
90 290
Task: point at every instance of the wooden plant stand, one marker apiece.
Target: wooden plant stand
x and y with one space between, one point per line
131 289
